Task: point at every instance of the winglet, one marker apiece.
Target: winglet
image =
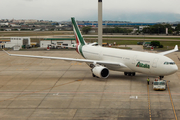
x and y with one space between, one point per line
6 52
170 51
176 48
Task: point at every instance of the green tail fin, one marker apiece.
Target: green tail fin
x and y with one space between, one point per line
78 35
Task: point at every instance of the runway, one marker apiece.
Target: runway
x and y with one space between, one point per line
36 89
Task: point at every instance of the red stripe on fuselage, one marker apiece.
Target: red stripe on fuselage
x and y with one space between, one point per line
77 45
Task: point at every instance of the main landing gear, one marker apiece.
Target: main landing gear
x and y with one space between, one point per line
93 75
130 73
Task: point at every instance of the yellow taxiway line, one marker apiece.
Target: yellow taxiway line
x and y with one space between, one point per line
149 103
172 102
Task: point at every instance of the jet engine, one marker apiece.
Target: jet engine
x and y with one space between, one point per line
100 71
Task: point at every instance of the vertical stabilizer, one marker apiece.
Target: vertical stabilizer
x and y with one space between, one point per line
79 39
77 32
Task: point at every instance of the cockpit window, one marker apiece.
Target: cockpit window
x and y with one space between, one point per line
169 63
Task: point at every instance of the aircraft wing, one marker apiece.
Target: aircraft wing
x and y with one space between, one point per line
70 59
169 51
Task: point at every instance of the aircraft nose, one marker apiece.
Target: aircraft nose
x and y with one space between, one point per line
174 69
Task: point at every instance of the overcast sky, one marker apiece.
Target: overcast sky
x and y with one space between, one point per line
62 10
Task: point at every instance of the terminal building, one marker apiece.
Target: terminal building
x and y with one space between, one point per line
57 42
2 43
18 42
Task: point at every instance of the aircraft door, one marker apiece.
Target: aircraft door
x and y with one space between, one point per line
154 65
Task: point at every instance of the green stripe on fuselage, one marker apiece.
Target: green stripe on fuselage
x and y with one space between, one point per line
81 40
80 50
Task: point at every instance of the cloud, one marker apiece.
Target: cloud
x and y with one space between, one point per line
60 10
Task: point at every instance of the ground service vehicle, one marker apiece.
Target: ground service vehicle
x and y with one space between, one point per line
159 85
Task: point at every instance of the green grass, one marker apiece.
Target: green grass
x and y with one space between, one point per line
174 38
170 44
120 40
142 37
122 47
33 33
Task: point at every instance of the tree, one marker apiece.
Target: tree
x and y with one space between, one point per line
158 29
86 29
116 30
156 43
178 27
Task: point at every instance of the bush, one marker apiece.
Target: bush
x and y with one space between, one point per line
86 29
116 30
161 46
155 43
37 45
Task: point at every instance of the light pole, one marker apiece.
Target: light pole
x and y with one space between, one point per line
100 22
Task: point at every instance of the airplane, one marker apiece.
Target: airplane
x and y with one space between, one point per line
102 59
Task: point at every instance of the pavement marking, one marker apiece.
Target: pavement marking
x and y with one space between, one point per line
149 102
172 101
114 93
89 95
79 80
76 63
133 97
178 58
38 91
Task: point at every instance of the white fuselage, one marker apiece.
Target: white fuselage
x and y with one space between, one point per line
143 62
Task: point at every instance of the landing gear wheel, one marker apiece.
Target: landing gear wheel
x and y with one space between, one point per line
125 73
133 74
129 74
93 75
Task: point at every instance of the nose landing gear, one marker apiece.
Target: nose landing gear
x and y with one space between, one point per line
161 77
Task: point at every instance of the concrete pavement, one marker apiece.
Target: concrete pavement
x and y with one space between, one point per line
36 89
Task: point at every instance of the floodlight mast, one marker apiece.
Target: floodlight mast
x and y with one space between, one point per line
100 32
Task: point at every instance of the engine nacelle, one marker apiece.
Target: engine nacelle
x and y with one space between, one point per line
100 71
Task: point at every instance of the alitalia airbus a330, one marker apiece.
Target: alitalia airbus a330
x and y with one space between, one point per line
102 59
